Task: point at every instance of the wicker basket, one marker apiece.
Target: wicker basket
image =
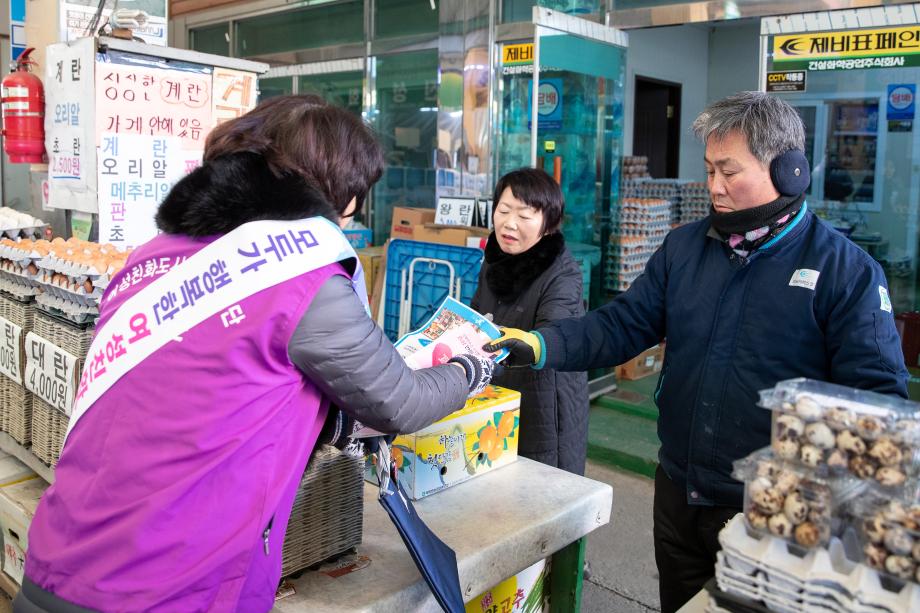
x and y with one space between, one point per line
48 429
15 400
70 337
328 514
20 313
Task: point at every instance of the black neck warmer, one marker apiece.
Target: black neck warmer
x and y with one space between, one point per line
509 275
745 220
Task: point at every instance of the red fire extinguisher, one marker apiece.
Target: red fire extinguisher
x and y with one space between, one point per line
23 100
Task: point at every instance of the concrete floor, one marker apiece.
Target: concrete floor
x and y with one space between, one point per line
621 554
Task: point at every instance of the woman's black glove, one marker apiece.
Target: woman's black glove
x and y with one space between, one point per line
478 370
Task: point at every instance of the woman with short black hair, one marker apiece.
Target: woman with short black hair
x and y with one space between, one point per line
529 278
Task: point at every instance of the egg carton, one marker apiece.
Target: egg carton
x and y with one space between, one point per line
78 296
67 309
839 430
23 257
69 268
25 232
17 289
14 270
767 568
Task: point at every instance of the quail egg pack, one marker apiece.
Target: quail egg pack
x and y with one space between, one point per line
820 426
785 500
890 537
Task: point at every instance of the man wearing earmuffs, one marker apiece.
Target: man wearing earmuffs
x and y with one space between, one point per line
760 291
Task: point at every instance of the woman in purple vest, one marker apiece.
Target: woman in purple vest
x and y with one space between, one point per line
176 483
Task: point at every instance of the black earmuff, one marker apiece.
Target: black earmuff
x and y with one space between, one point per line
790 173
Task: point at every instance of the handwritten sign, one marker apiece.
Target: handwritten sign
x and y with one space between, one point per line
135 175
68 127
234 94
50 372
132 99
11 350
14 560
455 211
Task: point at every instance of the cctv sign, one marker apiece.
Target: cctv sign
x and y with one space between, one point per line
786 81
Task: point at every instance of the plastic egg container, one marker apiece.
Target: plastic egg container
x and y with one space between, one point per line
890 537
15 223
784 499
837 430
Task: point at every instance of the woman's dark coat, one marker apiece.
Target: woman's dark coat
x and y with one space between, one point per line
527 291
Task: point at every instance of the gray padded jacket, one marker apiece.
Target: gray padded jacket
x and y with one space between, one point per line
348 356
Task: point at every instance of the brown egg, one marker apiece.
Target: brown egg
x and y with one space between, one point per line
88 286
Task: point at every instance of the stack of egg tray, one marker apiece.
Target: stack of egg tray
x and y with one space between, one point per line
16 410
72 338
765 569
48 429
328 514
15 400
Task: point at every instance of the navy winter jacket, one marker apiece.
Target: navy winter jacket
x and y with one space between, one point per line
809 303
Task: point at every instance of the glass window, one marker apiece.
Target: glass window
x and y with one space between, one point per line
275 86
343 89
320 26
406 120
405 18
211 39
522 10
865 155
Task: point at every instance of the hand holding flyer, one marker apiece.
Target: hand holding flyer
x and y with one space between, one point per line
453 329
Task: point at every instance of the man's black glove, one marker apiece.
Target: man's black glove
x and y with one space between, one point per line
526 348
478 370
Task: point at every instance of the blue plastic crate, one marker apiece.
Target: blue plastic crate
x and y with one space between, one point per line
431 284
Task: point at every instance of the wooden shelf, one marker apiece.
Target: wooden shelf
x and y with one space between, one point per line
24 455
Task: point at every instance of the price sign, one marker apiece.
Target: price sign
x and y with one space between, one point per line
11 350
455 211
50 372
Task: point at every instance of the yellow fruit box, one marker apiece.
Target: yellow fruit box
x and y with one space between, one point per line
480 437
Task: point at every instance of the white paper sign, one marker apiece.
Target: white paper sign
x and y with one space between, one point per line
10 350
455 211
50 372
70 126
135 174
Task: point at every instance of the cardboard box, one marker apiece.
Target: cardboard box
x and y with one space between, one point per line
478 438
371 261
649 362
406 218
448 235
18 501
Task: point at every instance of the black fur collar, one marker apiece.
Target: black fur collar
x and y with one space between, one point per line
231 190
509 275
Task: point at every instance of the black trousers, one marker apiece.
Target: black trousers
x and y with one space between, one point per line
686 542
